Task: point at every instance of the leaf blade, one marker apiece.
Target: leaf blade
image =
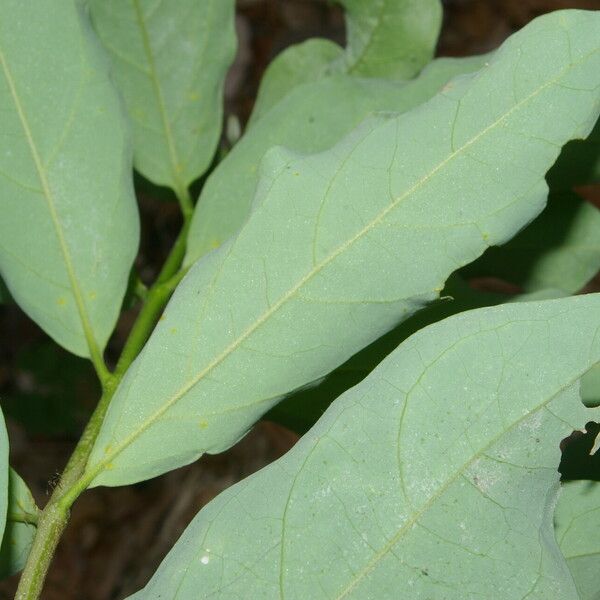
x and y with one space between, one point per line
69 272
577 523
303 63
411 484
390 38
172 88
265 316
561 248
21 526
325 111
395 44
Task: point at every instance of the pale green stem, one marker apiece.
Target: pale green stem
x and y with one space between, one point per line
53 519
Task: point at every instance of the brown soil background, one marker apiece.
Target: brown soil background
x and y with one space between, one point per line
117 537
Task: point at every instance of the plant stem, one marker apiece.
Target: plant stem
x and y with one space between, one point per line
185 203
140 291
53 519
156 299
98 361
50 528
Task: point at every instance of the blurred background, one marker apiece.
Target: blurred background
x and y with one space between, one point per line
117 537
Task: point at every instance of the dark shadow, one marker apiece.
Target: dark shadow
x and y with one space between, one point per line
576 461
517 259
302 408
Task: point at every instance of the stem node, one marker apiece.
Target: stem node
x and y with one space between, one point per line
53 519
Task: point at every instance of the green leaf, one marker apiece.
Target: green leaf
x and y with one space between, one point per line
21 525
561 249
323 112
302 63
69 227
310 82
590 387
456 297
326 262
169 60
577 519
434 478
390 38
301 410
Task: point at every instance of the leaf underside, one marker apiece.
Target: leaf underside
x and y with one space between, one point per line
20 526
560 249
295 294
577 521
69 227
390 39
436 477
169 60
324 112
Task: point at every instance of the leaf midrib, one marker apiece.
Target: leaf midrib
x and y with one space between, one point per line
387 547
359 59
92 344
109 456
162 108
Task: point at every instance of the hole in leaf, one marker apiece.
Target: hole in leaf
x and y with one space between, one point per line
576 461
